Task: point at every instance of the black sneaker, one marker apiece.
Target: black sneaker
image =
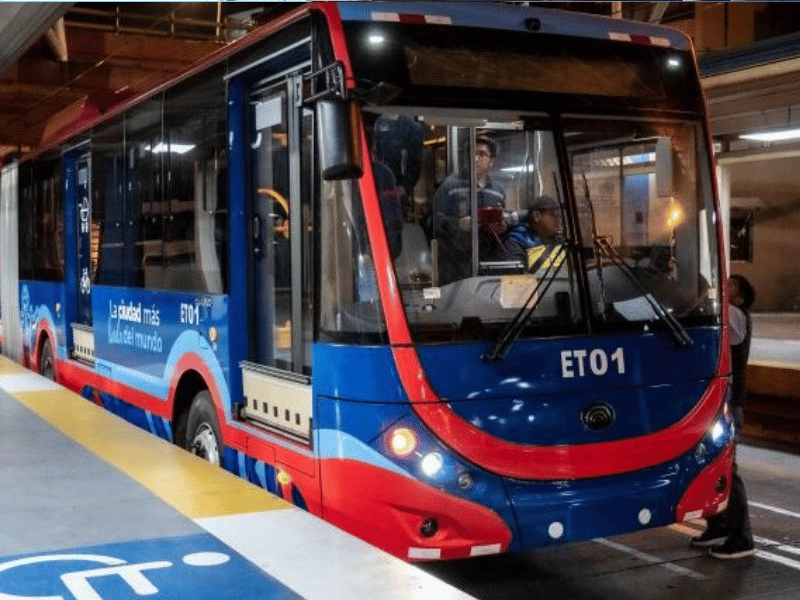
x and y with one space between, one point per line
733 549
708 539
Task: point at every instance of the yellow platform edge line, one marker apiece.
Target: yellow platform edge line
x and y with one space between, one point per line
194 487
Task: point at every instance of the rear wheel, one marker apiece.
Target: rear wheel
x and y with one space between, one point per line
46 365
202 429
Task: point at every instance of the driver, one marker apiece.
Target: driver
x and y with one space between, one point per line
537 243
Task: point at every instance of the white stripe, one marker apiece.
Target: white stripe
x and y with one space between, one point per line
309 556
425 553
438 20
771 544
27 382
659 41
780 511
619 37
650 559
385 16
789 549
485 550
786 562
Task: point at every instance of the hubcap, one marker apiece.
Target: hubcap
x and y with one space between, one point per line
205 444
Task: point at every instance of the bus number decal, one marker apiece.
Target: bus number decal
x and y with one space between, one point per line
190 314
578 363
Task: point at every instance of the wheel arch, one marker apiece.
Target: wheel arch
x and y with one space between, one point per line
44 333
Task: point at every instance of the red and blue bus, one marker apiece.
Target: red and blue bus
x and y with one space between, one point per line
292 260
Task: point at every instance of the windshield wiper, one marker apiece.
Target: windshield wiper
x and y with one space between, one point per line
595 237
677 330
517 324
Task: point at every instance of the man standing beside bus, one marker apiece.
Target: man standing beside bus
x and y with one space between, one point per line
729 534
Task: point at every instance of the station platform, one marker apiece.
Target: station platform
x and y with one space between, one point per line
772 411
93 508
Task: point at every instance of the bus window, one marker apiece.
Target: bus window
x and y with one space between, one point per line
143 145
41 223
349 302
194 190
108 206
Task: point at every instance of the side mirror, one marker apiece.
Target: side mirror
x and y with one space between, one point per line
339 148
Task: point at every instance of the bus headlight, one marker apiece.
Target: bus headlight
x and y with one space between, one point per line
432 463
716 431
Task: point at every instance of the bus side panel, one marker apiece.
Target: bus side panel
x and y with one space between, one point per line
144 330
41 312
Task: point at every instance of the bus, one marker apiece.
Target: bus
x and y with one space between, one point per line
292 260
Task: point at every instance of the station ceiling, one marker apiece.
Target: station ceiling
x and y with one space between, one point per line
54 56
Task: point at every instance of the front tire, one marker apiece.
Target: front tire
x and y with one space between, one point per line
203 436
47 367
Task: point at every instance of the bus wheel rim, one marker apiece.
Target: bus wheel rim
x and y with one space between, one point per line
205 444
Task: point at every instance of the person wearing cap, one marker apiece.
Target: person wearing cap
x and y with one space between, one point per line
452 206
537 243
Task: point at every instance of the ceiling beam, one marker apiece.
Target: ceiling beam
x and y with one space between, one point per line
22 24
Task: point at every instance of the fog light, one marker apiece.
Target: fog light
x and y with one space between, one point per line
700 451
402 441
429 527
722 483
466 481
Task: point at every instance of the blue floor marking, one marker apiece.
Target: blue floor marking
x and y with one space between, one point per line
199 567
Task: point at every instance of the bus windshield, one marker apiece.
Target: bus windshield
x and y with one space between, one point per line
587 221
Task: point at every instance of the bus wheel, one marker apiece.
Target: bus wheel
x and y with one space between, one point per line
46 365
202 429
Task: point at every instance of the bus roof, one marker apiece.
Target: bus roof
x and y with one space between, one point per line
498 16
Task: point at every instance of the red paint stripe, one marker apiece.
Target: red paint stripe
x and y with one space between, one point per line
340 53
391 301
701 493
76 376
551 463
641 39
412 19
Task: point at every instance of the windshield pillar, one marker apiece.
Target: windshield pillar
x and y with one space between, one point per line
573 223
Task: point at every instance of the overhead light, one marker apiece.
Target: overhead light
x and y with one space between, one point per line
772 136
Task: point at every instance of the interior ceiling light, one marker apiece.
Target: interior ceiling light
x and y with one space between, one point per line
772 136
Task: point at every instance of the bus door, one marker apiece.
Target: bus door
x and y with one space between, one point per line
82 334
276 378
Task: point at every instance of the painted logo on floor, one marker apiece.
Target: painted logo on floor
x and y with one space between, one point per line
198 567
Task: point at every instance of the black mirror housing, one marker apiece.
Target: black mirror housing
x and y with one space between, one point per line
340 153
